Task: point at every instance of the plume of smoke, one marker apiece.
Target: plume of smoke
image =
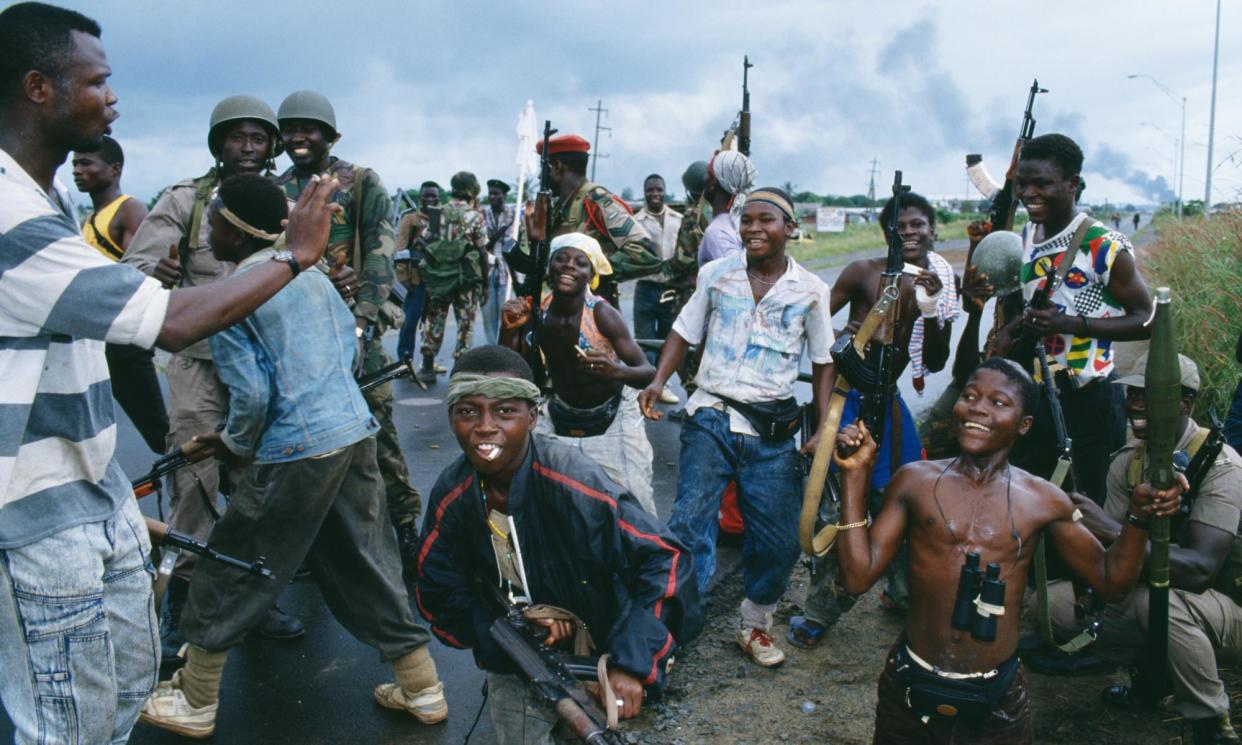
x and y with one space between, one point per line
1112 163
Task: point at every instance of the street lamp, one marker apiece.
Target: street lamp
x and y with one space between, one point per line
1181 101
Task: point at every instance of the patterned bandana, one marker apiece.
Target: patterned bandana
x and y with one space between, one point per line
767 196
490 386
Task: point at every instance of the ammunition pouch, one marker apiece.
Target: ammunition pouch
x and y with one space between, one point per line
775 421
930 693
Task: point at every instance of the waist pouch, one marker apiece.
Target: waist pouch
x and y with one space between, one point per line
570 421
970 700
775 421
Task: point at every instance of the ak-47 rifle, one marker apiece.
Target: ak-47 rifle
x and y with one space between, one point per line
398 369
1004 201
740 130
165 536
540 246
178 458
553 676
1163 392
866 359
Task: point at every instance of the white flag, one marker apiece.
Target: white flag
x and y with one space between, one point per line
527 159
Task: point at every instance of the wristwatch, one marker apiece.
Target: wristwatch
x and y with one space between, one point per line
1137 522
286 257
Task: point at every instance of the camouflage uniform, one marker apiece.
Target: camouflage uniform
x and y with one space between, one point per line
683 270
459 221
363 233
594 211
197 401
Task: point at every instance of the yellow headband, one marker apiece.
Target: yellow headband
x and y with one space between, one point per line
776 200
244 226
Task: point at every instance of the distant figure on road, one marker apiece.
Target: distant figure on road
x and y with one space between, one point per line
1137 218
1116 221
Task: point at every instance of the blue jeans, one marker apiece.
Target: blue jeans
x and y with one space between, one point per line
497 280
769 494
79 646
652 319
413 308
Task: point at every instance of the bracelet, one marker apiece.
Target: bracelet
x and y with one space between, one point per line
859 524
1134 520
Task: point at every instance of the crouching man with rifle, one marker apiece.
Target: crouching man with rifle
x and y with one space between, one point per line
538 522
1204 563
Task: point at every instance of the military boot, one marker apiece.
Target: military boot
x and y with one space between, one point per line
408 543
170 621
280 625
1213 730
427 372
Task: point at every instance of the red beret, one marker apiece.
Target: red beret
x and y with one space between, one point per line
564 144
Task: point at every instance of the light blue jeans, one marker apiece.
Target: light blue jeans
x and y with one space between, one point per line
497 280
79 644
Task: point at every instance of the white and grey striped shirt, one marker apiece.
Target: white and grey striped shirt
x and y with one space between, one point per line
59 301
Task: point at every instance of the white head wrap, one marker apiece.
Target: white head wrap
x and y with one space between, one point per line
587 245
736 175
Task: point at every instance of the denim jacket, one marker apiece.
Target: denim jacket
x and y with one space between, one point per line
287 366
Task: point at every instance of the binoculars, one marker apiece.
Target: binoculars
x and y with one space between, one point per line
980 599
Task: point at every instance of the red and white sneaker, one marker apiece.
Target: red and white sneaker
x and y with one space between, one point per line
757 644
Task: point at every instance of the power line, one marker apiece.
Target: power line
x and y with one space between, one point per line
599 109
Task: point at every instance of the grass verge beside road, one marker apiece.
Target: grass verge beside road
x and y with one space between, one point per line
821 248
1200 261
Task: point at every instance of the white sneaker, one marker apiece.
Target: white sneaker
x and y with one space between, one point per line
668 397
427 706
757 644
167 708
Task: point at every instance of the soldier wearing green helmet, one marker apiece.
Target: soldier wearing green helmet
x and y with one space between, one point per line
171 245
683 267
361 236
454 270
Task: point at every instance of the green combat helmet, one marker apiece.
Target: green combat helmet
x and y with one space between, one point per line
695 177
235 108
465 182
311 105
999 255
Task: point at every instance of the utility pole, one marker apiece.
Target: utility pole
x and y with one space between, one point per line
875 164
599 109
1207 189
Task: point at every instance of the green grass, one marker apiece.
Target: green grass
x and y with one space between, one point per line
822 248
1200 261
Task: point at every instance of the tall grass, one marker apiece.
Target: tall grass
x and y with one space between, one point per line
1200 261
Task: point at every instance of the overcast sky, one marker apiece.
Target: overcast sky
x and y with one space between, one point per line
425 89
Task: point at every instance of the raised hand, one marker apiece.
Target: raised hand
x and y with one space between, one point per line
306 230
168 269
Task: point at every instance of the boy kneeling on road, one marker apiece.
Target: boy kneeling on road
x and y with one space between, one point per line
312 490
535 519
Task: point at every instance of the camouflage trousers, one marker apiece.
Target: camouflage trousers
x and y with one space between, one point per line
435 316
404 501
826 599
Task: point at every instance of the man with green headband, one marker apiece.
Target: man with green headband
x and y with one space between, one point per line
544 524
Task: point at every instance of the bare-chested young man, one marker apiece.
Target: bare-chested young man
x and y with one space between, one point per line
942 683
595 366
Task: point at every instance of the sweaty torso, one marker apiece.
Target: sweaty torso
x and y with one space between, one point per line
863 294
560 335
970 518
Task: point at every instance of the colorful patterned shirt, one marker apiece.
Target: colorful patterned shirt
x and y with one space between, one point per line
1084 291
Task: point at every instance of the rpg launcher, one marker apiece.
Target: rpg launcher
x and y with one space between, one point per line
867 359
537 231
552 675
1163 393
1004 201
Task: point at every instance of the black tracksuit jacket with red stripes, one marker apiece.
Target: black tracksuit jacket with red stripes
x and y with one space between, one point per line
587 546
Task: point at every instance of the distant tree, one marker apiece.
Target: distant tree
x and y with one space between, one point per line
627 194
789 187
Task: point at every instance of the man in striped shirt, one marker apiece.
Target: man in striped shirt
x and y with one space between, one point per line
77 626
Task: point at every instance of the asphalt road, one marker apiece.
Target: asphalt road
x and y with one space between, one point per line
318 689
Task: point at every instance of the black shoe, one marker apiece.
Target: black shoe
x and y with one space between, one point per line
1049 660
408 542
1122 697
170 622
280 625
426 373
1213 730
